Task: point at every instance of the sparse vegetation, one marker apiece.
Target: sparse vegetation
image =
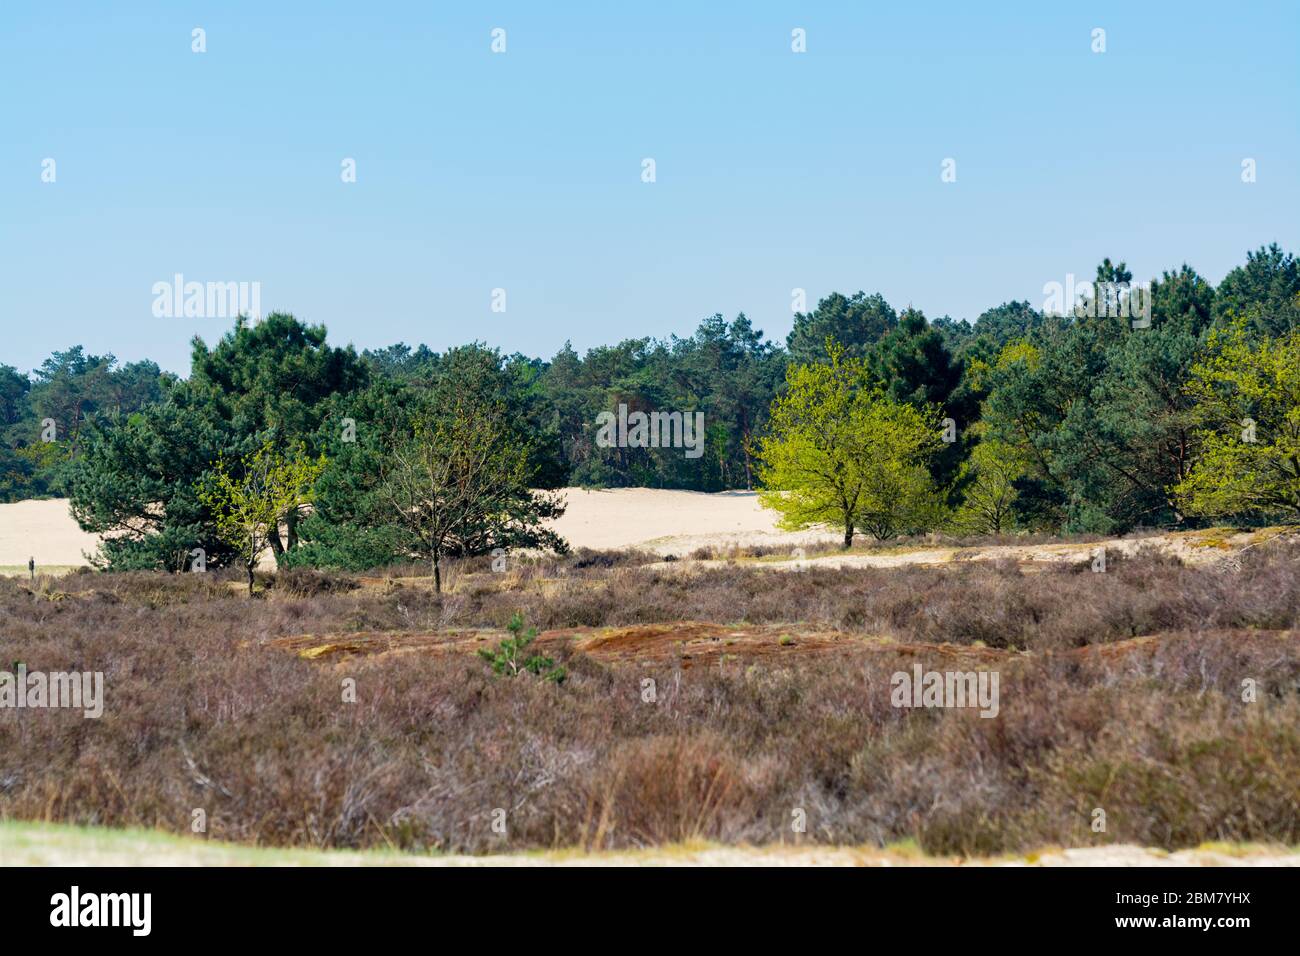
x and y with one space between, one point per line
203 710
511 657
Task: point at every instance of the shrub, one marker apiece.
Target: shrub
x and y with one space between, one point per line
510 657
305 582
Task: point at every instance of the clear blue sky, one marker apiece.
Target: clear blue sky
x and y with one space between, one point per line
523 170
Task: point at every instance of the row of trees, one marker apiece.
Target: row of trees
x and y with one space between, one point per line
1021 420
1102 424
279 441
41 415
726 370
1220 441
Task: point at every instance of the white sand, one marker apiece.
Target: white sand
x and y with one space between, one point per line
664 522
43 530
667 522
670 522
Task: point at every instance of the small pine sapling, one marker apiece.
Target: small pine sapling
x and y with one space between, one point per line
510 657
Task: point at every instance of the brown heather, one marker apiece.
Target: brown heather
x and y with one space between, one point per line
201 711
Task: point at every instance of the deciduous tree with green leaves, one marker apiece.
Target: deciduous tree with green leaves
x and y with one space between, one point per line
1247 392
839 452
460 485
990 475
250 503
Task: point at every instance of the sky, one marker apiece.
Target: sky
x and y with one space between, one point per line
523 170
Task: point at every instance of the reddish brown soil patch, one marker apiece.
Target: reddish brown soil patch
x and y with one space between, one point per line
693 643
688 642
338 647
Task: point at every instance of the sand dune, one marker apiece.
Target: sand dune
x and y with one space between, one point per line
664 522
667 522
42 530
670 522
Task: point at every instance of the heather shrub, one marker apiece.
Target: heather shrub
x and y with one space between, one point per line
201 710
306 582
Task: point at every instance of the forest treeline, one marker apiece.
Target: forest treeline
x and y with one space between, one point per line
1075 422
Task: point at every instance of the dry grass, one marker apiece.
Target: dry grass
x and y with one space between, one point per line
203 711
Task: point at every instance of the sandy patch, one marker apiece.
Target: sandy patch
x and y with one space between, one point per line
672 522
666 522
43 530
1192 547
37 844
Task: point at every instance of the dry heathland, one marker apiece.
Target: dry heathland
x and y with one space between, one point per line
1120 691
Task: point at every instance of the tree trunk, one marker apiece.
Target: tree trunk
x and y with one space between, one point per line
437 574
848 535
291 529
250 578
